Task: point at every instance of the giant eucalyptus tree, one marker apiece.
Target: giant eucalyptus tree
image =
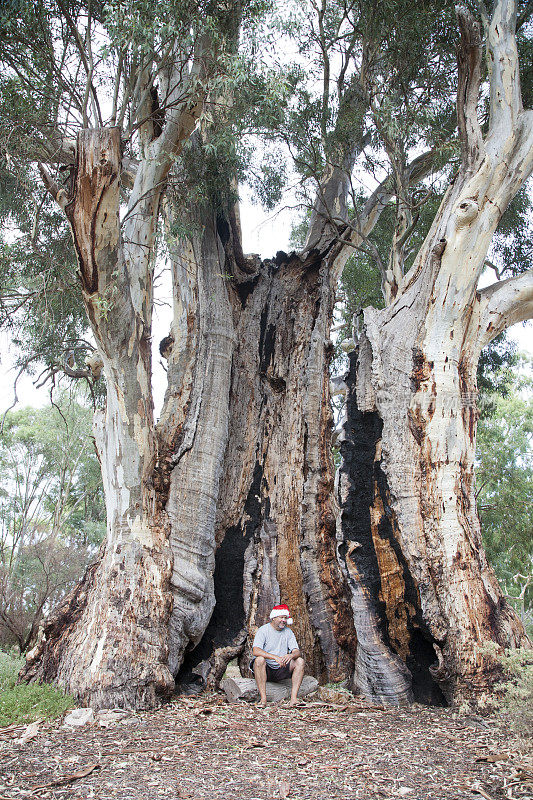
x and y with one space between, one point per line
162 483
228 503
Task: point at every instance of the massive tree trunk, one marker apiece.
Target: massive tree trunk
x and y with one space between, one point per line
277 519
412 543
275 528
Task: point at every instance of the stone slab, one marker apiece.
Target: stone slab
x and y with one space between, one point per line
246 689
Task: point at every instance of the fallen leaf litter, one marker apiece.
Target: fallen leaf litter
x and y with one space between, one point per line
204 748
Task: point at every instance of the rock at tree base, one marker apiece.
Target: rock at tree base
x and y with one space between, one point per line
246 689
110 716
79 717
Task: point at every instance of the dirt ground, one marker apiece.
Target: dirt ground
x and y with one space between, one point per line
203 747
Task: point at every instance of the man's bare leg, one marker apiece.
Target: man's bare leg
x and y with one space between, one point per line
260 675
297 668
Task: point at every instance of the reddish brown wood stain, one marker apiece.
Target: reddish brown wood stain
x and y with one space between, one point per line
392 592
97 169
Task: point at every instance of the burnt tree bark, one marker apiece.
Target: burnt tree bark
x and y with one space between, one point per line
275 527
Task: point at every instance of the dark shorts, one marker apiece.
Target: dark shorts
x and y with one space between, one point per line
275 675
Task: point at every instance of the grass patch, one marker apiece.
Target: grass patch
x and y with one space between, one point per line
27 702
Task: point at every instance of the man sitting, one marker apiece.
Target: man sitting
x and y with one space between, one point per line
276 655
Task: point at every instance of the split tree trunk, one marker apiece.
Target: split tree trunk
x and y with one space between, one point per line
277 526
412 542
276 523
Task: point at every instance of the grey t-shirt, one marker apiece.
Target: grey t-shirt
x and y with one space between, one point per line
277 642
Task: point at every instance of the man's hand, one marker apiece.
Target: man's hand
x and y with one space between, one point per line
284 660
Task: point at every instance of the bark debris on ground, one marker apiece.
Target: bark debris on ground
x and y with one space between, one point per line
202 747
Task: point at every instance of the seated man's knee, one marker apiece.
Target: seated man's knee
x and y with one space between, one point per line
260 661
299 662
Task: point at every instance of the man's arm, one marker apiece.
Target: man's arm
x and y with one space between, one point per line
258 651
290 656
292 647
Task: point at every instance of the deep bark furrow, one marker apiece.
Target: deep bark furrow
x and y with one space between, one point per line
379 673
194 481
323 581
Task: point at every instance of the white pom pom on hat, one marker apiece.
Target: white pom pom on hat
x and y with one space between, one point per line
281 611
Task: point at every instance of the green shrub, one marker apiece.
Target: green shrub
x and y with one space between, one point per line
27 702
517 699
9 668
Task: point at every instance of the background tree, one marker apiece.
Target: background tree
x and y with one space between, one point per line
52 513
504 484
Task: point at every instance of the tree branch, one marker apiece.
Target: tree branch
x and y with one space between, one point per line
330 205
502 58
469 79
58 193
503 304
53 149
90 90
185 104
493 267
419 168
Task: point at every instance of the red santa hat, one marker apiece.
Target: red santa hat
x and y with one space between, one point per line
281 611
